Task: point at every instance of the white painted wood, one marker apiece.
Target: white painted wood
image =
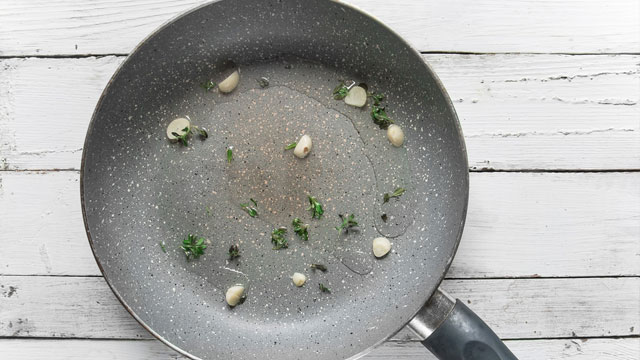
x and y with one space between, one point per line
518 225
40 27
575 349
517 111
68 307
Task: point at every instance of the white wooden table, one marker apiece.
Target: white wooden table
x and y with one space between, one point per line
548 95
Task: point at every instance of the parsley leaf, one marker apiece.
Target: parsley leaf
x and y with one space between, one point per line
378 113
229 154
291 146
316 208
324 288
253 212
396 193
234 252
193 247
278 239
348 223
340 92
207 86
319 267
300 228
183 138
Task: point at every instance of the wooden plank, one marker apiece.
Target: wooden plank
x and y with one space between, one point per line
517 111
82 307
40 27
575 349
518 225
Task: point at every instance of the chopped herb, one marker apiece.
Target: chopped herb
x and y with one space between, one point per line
378 113
291 146
202 132
183 138
207 86
300 228
396 193
278 239
348 223
263 82
340 92
324 288
255 203
208 211
193 247
164 250
229 154
316 208
234 252
253 212
384 217
319 267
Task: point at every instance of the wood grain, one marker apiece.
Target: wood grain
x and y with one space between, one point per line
39 27
575 349
84 307
518 225
517 111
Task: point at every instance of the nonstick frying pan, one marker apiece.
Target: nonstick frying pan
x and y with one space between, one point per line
142 194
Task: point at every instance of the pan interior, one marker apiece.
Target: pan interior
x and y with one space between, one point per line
141 191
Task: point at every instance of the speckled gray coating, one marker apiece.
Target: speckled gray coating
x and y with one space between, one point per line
139 189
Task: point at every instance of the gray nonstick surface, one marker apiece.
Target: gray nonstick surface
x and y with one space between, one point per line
140 190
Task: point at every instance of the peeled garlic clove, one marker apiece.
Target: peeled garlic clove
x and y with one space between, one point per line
230 83
381 246
303 148
177 126
357 96
234 295
298 279
395 135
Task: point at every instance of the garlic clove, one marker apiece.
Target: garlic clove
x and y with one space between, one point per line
298 279
230 83
303 147
395 135
234 295
357 96
177 126
381 246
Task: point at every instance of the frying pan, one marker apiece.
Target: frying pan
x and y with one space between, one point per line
142 194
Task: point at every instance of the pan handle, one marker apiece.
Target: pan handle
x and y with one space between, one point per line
451 331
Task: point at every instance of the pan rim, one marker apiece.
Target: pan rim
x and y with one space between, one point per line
167 23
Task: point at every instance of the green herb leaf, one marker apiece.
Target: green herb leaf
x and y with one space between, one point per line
396 193
291 146
202 132
380 117
301 229
324 288
229 154
340 91
278 239
193 247
234 252
208 86
184 137
253 212
208 209
263 82
319 267
255 203
164 250
348 223
316 208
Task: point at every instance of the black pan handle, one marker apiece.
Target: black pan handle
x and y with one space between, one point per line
451 331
